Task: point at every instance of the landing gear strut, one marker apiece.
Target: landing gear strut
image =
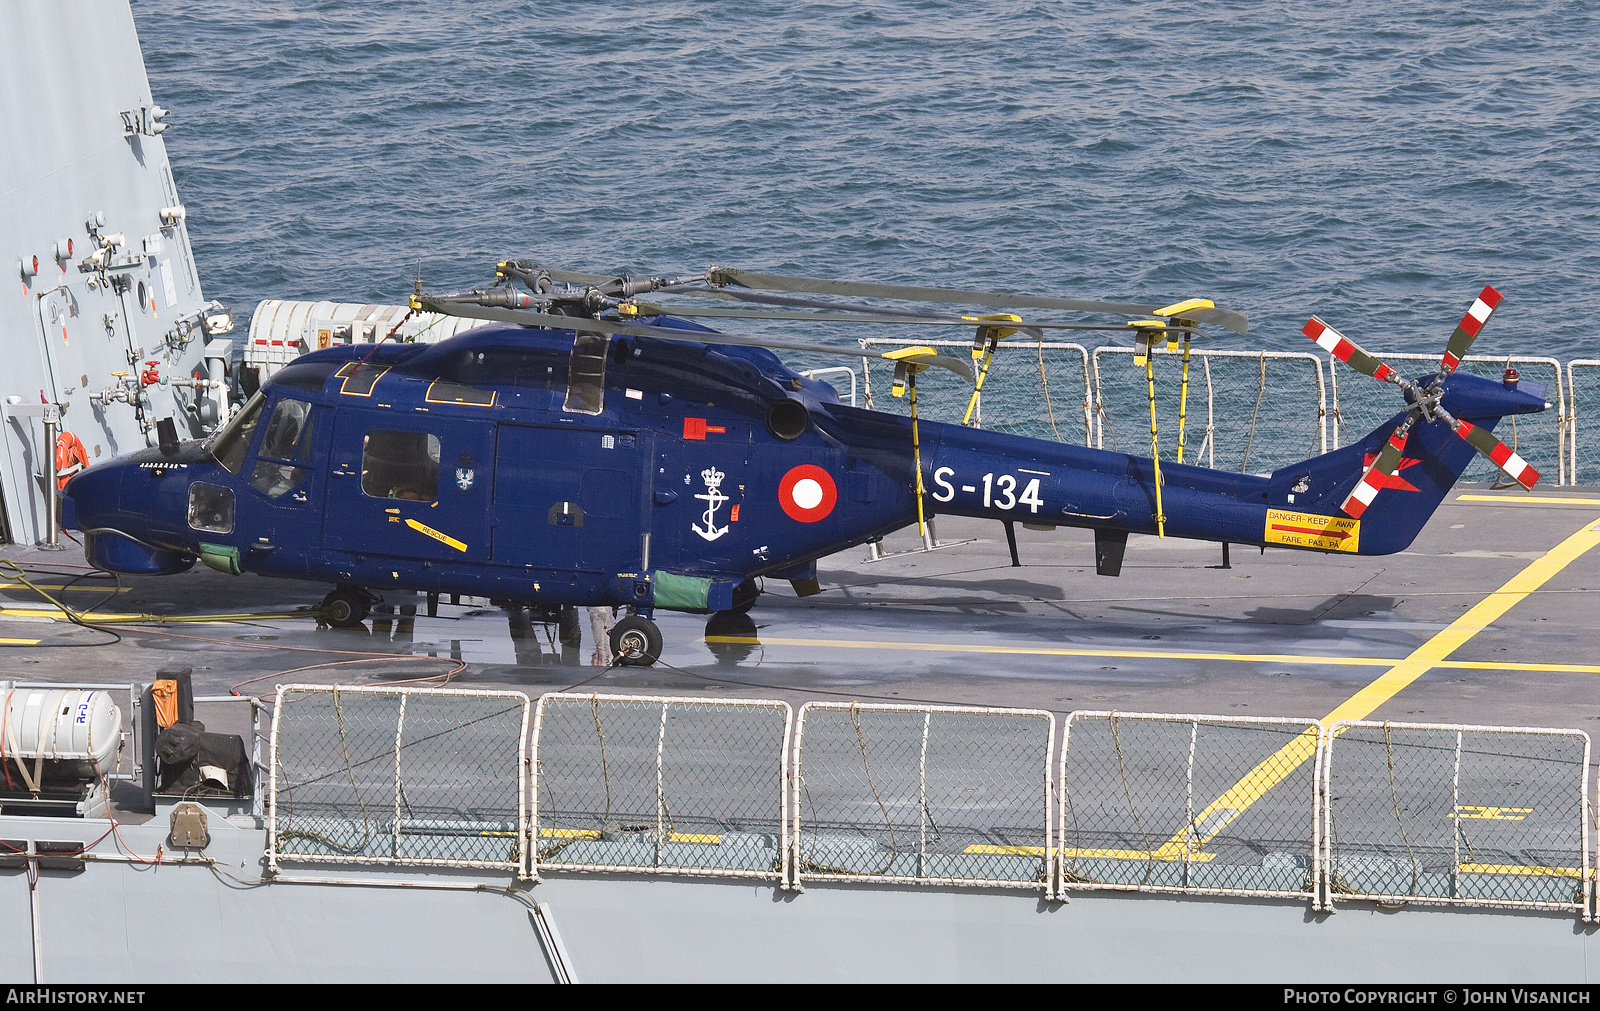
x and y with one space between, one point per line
636 641
567 628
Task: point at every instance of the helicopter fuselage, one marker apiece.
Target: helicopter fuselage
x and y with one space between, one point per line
545 467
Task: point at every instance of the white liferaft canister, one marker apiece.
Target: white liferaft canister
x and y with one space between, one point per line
62 725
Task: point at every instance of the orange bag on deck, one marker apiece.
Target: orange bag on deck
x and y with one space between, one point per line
165 694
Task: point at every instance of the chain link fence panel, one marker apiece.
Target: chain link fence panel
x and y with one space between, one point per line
1203 804
1038 390
926 794
1250 413
1457 814
415 776
1583 421
1362 404
658 784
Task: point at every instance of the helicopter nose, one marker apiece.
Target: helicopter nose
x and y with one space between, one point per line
93 497
117 533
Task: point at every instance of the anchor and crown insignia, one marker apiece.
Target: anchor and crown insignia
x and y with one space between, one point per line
713 498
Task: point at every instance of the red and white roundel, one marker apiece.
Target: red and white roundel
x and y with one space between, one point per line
807 493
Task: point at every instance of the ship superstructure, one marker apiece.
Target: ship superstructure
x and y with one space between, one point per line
105 329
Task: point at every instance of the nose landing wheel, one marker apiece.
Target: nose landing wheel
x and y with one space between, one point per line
636 641
345 607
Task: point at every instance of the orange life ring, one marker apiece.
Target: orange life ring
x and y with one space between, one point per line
70 457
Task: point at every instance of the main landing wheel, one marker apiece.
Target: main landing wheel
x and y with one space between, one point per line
636 641
344 607
745 595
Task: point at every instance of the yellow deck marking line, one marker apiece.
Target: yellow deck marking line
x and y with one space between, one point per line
982 849
48 613
1130 654
53 613
1133 654
63 586
590 833
1493 813
1282 763
569 833
1553 668
1521 499
1552 872
19 642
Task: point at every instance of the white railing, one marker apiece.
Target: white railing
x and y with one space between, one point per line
1004 355
888 792
1158 802
1340 413
935 795
1319 441
398 776
1416 786
1571 415
659 784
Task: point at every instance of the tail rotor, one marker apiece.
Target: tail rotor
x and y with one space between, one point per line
1424 402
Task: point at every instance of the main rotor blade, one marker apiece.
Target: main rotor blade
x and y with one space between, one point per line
1345 349
1376 476
799 303
1499 454
853 316
1235 321
527 317
1467 331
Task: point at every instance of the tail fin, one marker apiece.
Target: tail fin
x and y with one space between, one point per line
1434 457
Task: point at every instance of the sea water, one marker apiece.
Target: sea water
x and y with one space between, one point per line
1373 163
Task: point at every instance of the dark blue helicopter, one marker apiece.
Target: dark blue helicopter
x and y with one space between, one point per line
599 451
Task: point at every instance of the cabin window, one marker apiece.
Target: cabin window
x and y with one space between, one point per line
286 444
233 442
210 508
400 465
586 375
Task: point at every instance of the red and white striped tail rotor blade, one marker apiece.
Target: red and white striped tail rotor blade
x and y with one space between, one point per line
1461 341
1377 475
1346 350
1499 454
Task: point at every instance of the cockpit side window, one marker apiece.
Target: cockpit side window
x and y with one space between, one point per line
289 426
586 375
400 465
233 442
287 443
